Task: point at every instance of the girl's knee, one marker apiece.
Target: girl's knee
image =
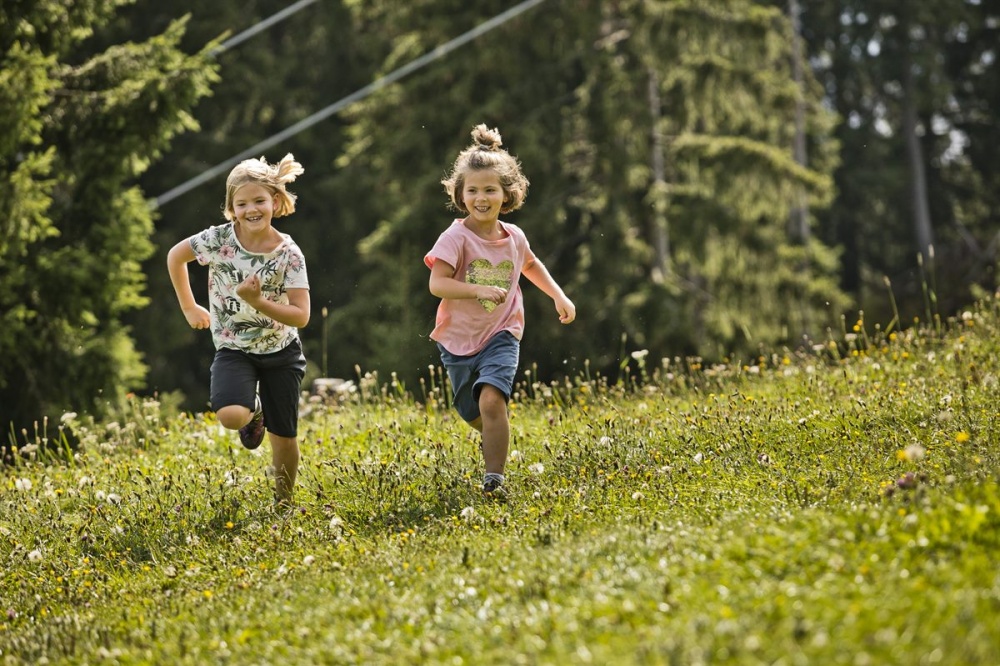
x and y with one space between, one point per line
233 417
492 402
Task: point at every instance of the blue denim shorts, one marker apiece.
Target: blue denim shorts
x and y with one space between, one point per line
236 374
495 365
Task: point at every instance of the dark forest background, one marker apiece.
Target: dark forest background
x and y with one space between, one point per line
713 179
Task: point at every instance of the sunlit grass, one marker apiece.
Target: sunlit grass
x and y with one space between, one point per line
835 505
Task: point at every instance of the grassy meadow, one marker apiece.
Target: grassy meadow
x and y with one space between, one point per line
837 505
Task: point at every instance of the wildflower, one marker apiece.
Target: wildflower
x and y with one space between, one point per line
308 559
22 484
962 437
468 513
914 452
336 522
35 555
536 468
638 496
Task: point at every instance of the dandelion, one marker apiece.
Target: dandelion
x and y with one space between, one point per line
35 555
604 441
637 496
115 498
536 468
914 452
962 437
23 485
336 522
468 513
308 559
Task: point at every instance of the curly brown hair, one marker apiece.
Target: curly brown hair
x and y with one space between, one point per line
485 153
274 177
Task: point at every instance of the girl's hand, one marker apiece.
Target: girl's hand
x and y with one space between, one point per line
249 289
485 292
566 309
198 317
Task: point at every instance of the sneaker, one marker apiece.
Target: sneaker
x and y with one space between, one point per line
252 434
494 489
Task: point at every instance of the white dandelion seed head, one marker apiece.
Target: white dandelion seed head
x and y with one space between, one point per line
35 555
308 559
468 513
536 468
23 485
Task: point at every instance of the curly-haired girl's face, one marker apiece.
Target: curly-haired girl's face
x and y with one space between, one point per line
483 195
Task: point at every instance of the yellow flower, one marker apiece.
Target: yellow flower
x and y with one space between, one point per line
962 436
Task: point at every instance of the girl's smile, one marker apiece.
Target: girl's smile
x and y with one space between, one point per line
253 205
483 196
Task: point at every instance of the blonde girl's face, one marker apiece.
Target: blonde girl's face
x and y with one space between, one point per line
253 207
483 195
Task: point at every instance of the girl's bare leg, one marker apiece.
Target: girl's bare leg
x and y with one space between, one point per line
495 427
285 460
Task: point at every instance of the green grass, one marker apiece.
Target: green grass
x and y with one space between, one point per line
839 505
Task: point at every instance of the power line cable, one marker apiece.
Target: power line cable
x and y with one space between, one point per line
358 95
260 26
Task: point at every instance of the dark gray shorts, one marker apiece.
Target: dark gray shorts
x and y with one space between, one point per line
495 365
236 374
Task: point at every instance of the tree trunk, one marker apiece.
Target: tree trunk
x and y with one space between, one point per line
661 232
915 156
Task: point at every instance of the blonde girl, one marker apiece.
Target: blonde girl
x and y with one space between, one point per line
258 296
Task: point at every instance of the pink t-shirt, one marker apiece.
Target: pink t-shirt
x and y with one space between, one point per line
464 325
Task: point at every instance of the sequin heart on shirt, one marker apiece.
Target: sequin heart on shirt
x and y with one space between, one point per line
482 271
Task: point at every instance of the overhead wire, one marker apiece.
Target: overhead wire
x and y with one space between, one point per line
260 26
323 114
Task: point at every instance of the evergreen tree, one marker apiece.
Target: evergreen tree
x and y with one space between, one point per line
915 85
75 134
576 101
268 83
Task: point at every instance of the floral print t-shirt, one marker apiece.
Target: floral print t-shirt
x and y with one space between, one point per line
235 323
